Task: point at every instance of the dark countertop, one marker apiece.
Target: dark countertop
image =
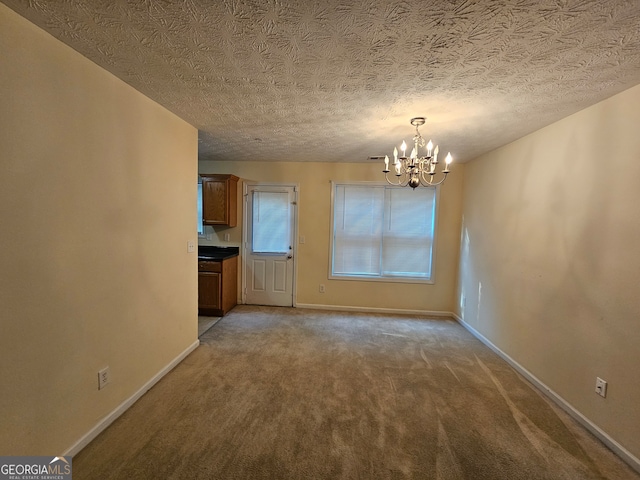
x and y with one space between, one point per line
209 252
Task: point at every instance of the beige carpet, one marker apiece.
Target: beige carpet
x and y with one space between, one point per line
281 393
205 323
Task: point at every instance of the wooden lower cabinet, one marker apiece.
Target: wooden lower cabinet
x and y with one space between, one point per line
209 291
217 286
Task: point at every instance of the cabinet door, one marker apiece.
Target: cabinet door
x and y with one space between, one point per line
214 203
219 203
209 290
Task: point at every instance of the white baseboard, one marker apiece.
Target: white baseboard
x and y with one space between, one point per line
622 452
347 308
110 418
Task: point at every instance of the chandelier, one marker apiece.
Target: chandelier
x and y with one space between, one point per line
416 170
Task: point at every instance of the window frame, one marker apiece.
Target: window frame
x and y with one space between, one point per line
381 278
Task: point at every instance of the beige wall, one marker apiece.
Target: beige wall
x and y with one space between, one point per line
550 258
97 195
314 224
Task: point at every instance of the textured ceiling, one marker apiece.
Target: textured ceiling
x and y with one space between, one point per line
339 80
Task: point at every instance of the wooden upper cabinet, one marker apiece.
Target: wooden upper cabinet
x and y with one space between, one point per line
219 199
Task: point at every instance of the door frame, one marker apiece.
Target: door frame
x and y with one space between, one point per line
245 229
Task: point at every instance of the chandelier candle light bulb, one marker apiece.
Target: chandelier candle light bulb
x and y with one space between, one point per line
447 160
417 170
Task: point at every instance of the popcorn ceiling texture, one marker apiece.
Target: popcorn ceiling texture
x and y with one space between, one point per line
336 80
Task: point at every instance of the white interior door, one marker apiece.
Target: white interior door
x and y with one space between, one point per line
269 248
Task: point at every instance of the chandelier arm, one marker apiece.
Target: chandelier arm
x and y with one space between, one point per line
427 183
399 183
425 178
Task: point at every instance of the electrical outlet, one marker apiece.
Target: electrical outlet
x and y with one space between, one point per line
601 387
191 246
227 237
104 377
322 288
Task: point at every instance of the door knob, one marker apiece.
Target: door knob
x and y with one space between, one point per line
289 256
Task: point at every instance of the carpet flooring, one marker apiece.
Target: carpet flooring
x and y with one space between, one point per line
205 323
283 393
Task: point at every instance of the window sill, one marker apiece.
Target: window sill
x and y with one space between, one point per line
364 278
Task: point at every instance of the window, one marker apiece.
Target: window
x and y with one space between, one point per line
382 232
270 222
200 225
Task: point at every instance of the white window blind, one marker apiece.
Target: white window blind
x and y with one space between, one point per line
270 226
357 232
383 232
